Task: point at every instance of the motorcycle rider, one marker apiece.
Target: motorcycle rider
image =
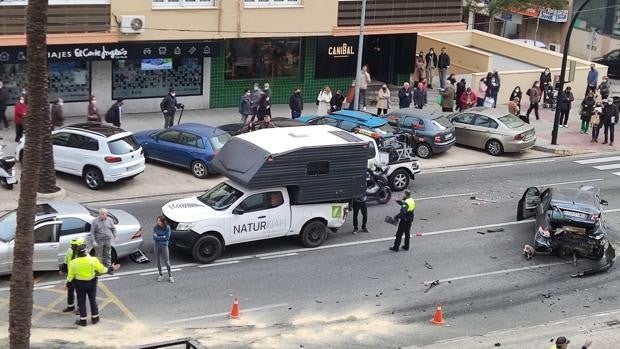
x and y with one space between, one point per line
407 206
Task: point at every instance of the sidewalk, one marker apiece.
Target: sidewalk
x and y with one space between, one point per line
603 329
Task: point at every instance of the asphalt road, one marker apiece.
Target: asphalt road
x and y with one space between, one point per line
352 292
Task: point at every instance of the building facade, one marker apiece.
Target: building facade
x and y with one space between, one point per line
211 50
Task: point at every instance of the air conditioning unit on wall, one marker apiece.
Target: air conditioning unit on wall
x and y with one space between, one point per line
554 47
132 24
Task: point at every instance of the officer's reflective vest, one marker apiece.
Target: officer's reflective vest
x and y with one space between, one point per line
85 268
410 204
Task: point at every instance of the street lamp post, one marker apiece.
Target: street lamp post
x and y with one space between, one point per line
556 121
360 51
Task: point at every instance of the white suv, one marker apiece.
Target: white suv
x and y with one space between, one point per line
96 152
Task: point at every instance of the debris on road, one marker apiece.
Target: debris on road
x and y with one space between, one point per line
427 265
495 230
493 257
373 277
431 285
481 232
482 199
546 295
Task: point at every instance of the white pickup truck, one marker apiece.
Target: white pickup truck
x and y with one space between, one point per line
230 213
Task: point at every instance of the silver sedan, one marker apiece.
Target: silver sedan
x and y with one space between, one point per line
56 224
492 130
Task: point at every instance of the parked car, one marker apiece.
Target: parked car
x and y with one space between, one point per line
190 146
493 130
56 224
98 153
237 128
349 120
612 61
433 132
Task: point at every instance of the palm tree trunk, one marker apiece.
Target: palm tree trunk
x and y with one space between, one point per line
47 174
20 303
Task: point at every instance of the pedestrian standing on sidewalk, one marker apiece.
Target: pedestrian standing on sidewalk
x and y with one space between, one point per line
115 113
335 103
404 96
296 103
57 114
4 100
443 63
351 96
461 87
447 98
534 93
64 269
83 272
595 122
423 85
493 88
21 109
545 82
516 92
244 106
468 99
482 92
513 107
359 204
610 119
161 235
93 112
406 214
565 103
587 109
323 99
420 66
604 88
418 95
592 79
383 100
102 232
169 107
364 81
431 66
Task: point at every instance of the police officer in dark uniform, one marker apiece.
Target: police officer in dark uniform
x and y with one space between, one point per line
407 206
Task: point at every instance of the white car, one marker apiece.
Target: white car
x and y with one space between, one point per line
98 153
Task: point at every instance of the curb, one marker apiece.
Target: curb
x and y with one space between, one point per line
561 151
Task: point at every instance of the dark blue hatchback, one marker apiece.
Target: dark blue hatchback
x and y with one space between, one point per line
190 145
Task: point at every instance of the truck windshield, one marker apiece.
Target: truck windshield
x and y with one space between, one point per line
220 197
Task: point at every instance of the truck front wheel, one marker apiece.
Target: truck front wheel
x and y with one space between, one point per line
399 180
207 249
314 233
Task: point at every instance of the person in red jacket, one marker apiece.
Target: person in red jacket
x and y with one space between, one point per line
468 99
21 108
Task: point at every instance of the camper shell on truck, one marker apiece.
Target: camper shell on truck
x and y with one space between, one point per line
316 163
282 182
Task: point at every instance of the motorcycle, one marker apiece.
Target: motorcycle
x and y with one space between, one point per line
7 169
377 186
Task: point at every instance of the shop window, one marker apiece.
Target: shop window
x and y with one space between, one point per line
182 3
147 78
260 3
265 58
68 80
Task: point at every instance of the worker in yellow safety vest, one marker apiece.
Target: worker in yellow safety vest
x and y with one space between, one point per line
83 272
64 269
407 206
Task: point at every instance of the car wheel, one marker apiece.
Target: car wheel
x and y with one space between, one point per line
384 195
93 178
423 151
494 147
199 169
399 180
313 234
207 249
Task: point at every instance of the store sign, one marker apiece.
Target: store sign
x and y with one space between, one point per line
336 56
530 12
107 52
559 16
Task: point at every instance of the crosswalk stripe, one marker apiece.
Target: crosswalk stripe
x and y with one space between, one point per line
598 160
607 167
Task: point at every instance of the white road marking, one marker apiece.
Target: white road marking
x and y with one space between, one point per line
617 173
279 255
473 276
217 264
598 160
153 269
444 196
607 167
249 310
539 161
495 225
43 287
236 258
109 278
468 168
157 272
571 182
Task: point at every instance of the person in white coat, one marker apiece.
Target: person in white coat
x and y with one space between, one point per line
323 99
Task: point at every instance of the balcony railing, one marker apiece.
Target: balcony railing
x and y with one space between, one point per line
386 12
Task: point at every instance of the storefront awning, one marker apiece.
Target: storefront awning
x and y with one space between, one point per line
399 28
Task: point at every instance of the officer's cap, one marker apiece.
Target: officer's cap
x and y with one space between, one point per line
81 249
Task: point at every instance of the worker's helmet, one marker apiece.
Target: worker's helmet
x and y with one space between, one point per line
407 193
77 242
81 249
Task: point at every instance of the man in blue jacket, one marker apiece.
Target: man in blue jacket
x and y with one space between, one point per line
592 79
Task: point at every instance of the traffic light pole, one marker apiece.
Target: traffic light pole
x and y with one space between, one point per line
556 121
360 52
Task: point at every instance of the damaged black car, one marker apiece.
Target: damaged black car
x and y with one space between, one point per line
569 222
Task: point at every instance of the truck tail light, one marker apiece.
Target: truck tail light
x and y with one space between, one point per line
137 234
112 159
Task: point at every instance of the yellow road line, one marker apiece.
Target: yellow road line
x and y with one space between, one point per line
50 307
117 302
105 303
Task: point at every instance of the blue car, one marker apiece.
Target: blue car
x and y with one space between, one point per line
190 145
349 120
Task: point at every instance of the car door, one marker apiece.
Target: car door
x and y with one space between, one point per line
259 216
543 211
46 246
163 147
190 147
82 150
481 131
463 124
60 146
528 203
71 228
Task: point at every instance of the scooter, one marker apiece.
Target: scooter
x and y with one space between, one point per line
7 169
377 186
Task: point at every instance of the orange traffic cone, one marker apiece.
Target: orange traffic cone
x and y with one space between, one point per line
234 312
438 318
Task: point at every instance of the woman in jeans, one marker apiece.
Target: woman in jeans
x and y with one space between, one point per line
161 235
